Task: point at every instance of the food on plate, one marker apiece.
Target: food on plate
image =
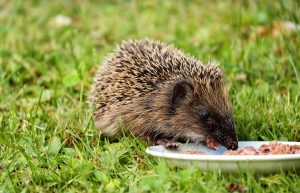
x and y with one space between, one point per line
273 148
195 152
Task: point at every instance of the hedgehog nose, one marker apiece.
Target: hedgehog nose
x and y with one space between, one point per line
233 146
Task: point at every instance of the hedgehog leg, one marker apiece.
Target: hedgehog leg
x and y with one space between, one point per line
171 144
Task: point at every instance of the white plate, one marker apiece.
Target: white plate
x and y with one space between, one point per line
214 160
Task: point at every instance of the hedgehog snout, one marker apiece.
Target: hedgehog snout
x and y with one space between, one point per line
233 145
227 137
230 137
231 140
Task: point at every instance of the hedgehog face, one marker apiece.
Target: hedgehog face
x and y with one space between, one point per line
208 111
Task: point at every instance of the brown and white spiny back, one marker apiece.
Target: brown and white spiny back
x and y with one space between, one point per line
135 78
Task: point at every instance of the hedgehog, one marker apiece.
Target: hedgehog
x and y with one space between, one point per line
162 95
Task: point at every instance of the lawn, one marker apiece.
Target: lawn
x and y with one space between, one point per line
50 50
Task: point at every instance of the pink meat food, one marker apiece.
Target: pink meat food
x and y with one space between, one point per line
272 148
195 152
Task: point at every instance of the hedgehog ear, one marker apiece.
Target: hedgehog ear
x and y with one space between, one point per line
180 91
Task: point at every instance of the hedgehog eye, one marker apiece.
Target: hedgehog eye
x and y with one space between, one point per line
206 117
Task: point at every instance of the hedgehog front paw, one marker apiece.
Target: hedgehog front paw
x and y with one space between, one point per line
211 143
170 144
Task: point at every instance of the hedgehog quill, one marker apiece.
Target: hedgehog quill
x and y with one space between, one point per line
162 95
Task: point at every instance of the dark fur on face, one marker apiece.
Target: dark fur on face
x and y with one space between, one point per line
207 110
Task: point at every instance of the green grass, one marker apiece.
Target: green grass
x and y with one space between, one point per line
48 142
